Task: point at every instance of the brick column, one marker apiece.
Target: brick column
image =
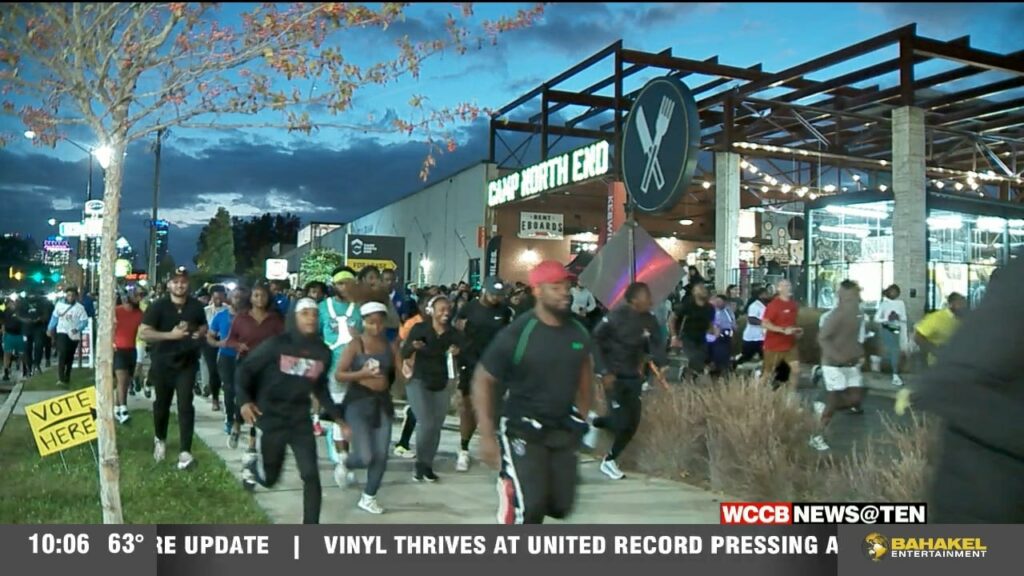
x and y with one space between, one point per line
910 231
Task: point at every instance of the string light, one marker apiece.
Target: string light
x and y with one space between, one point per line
940 184
856 177
883 187
786 188
706 185
802 191
958 186
829 188
813 196
744 164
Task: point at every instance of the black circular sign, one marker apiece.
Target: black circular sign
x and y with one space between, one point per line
660 143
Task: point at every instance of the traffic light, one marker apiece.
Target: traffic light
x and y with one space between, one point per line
55 277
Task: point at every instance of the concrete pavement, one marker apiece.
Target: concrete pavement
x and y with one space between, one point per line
461 498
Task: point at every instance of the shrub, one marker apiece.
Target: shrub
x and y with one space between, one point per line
741 438
891 467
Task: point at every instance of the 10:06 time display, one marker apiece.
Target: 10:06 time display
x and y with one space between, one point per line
67 544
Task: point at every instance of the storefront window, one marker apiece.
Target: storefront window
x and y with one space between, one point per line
850 242
964 250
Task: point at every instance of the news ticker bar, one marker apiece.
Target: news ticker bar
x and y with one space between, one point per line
594 550
787 513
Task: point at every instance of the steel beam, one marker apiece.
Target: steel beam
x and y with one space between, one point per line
968 55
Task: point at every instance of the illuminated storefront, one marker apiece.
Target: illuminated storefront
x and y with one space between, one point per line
851 237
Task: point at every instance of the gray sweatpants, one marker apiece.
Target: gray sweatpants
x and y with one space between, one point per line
430 408
368 446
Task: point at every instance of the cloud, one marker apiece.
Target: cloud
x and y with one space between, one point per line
249 177
947 18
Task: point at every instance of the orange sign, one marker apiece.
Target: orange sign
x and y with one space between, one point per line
616 212
481 237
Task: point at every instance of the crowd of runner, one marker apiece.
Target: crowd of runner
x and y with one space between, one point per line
323 361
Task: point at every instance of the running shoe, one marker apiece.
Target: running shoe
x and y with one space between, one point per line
856 410
611 469
159 450
370 504
342 477
249 476
249 456
122 415
818 443
403 452
147 391
896 380
227 427
216 405
592 435
429 476
462 464
185 461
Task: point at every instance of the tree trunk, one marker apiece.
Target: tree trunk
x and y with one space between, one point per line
110 466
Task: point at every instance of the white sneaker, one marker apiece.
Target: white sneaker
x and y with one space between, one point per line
370 504
159 450
819 409
611 469
122 415
185 460
249 457
896 380
818 443
462 464
405 453
342 477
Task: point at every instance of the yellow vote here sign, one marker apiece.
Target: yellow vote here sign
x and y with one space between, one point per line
63 422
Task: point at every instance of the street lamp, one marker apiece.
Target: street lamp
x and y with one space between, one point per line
52 221
103 154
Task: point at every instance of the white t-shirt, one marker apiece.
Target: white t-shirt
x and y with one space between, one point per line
71 319
754 333
583 301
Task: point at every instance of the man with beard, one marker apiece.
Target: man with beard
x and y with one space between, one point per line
275 384
480 321
176 327
692 320
543 361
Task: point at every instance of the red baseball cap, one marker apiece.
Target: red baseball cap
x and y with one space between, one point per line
549 272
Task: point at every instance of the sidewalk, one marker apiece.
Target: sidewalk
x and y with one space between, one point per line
462 498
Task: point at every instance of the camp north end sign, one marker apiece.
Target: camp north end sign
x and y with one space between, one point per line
572 167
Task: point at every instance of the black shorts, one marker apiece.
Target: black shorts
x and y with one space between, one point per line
466 379
538 475
125 359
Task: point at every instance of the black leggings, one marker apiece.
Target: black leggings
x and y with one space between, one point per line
408 427
624 419
168 381
303 444
65 357
35 345
226 372
210 357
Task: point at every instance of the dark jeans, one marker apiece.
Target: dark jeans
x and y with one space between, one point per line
624 416
369 445
751 349
210 357
226 377
167 382
408 427
721 354
65 357
35 345
303 444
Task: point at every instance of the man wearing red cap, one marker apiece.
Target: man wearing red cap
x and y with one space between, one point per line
543 361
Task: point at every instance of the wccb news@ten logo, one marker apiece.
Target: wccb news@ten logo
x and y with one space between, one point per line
878 547
786 513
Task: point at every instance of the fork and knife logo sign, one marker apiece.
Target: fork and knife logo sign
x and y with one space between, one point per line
652 145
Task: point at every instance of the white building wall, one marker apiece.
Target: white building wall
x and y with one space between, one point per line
439 222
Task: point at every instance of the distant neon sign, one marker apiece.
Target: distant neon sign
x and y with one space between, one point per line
572 167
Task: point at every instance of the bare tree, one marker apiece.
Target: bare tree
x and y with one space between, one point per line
126 70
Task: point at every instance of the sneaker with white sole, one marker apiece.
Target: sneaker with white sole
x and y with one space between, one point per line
185 461
593 434
462 464
897 381
122 415
818 443
403 452
159 450
370 504
819 409
249 457
233 439
249 476
611 469
342 477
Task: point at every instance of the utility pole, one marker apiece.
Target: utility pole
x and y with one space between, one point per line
152 223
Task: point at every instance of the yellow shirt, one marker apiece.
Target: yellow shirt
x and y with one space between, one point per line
938 327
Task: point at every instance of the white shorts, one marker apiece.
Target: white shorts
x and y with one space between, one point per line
839 379
338 398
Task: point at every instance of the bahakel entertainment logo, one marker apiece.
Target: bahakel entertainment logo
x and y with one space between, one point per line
876 546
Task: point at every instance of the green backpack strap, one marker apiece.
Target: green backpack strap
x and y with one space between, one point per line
523 341
524 337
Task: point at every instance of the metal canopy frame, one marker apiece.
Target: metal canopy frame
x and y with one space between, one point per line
839 120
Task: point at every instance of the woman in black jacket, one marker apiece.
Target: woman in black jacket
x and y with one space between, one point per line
432 341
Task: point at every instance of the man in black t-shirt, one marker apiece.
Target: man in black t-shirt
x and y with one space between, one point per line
13 338
176 328
692 320
543 360
480 320
33 314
